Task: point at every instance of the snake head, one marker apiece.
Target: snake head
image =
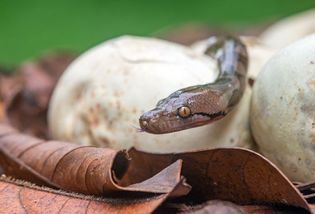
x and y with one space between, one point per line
184 109
202 104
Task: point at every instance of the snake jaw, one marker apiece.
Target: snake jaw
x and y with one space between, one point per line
149 121
158 121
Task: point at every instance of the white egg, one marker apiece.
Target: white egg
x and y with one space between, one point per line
283 110
289 29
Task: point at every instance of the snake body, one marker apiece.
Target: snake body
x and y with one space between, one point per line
202 104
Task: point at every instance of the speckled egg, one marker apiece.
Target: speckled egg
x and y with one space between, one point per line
283 110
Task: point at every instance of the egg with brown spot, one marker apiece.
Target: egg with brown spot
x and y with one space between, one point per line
284 128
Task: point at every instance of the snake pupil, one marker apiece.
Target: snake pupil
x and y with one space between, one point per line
184 111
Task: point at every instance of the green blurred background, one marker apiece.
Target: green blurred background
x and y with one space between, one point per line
30 28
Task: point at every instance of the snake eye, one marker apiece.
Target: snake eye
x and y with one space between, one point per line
184 112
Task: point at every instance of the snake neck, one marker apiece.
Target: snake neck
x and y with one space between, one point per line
232 59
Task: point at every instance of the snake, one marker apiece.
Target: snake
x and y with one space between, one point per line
203 104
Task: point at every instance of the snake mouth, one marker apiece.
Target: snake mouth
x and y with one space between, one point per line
213 116
164 124
199 119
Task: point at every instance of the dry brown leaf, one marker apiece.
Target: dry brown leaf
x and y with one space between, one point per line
1 110
83 169
236 175
26 93
31 101
307 190
21 198
9 86
225 207
55 64
232 174
190 33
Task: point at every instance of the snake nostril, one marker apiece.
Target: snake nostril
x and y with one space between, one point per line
144 123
